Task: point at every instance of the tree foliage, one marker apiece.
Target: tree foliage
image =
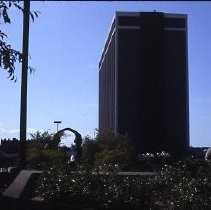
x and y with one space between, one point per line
8 55
108 149
43 151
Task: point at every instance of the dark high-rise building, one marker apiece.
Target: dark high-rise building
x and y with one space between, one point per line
143 81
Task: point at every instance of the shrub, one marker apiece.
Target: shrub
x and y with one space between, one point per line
101 191
185 185
42 151
108 149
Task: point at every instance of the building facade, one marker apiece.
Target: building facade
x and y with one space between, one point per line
143 81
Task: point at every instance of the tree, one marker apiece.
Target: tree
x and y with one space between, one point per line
42 151
8 58
90 148
108 149
8 55
115 149
43 137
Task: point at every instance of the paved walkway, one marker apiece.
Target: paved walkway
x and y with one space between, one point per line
16 189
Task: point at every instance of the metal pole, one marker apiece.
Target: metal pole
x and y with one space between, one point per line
23 108
57 125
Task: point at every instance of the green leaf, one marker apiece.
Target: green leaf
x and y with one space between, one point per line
36 13
32 17
18 6
31 69
5 16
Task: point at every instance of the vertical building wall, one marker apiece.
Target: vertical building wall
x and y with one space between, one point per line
107 85
128 121
140 86
148 99
176 83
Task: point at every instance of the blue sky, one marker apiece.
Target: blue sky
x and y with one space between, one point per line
66 42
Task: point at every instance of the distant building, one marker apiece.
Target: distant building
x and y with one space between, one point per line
9 153
10 146
143 81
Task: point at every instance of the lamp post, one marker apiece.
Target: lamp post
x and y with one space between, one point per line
57 125
23 108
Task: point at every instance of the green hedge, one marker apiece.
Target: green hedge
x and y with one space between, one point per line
185 185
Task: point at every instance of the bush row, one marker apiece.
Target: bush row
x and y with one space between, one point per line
184 185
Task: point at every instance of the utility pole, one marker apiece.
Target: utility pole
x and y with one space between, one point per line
24 77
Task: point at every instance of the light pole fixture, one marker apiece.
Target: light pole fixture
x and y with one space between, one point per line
57 125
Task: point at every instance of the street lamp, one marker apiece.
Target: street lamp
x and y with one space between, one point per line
57 123
23 108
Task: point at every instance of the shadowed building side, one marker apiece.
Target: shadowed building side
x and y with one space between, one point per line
143 84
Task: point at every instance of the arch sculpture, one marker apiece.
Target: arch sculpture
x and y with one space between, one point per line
77 140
